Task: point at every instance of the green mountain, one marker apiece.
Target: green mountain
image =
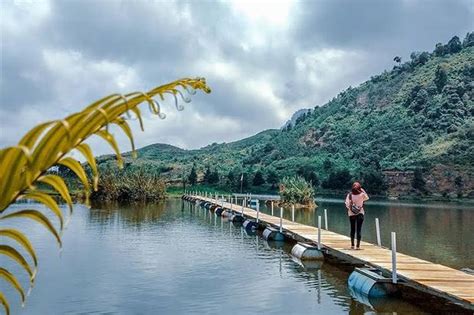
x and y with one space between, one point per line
408 130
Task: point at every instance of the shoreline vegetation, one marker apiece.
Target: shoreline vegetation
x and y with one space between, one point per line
407 132
137 185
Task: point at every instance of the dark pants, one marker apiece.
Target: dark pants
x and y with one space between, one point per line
356 223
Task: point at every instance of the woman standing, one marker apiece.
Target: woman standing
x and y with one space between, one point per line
355 210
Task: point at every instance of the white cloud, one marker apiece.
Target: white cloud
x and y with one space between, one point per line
269 12
76 77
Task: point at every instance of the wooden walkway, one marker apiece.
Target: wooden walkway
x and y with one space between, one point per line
439 280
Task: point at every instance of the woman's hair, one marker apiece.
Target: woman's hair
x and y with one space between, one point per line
356 188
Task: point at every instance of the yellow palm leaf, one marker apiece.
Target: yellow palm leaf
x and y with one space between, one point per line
76 167
59 185
47 200
10 278
4 302
126 129
49 143
16 256
38 217
86 151
22 240
29 140
137 112
107 136
14 175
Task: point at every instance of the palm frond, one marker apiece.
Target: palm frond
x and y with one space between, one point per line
49 144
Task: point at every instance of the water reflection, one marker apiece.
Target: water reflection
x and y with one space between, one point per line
327 281
129 215
174 258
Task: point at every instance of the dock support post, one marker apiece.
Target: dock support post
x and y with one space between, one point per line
293 213
281 219
272 208
394 257
242 207
377 230
319 232
258 209
326 219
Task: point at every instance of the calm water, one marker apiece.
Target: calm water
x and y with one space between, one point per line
170 259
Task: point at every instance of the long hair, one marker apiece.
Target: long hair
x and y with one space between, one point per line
356 188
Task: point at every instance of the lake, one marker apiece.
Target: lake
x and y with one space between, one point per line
169 258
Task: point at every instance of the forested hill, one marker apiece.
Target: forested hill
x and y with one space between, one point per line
409 129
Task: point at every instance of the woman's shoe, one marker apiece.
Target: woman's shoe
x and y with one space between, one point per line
352 246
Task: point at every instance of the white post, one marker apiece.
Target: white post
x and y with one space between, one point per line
281 219
326 219
377 230
293 213
258 208
272 208
394 257
319 232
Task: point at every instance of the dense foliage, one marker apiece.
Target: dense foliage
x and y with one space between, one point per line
130 184
414 117
296 190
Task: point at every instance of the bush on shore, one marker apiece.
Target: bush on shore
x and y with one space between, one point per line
296 190
135 185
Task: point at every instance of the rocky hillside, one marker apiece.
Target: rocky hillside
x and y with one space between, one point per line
415 121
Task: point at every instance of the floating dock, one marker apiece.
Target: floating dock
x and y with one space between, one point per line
454 286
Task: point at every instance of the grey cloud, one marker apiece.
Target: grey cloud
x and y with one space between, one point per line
382 25
337 43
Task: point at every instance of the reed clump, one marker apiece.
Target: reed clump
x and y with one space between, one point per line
130 185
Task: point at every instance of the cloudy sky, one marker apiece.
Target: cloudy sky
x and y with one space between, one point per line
263 59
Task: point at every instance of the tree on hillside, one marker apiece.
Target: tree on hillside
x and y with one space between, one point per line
441 77
214 177
374 182
258 179
308 172
231 179
420 100
397 59
468 40
327 165
338 180
207 174
440 50
272 178
418 182
192 178
244 180
454 45
418 58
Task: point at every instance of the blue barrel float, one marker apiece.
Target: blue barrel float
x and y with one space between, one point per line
307 252
250 225
237 218
370 282
219 211
272 234
226 213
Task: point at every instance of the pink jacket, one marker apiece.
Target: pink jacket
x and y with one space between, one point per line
358 200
